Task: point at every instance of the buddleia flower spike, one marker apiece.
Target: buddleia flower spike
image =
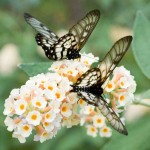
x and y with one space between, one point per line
69 45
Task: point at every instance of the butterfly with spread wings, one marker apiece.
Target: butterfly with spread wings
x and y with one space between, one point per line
89 85
69 45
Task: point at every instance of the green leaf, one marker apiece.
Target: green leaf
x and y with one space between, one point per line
141 43
33 69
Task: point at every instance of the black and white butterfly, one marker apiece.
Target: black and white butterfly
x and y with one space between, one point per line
69 45
89 85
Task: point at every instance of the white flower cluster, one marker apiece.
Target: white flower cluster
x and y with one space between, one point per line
38 105
44 103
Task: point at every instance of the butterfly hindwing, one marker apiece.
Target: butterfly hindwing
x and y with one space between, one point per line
105 109
111 116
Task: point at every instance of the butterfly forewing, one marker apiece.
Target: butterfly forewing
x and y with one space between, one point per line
83 29
40 27
89 78
113 57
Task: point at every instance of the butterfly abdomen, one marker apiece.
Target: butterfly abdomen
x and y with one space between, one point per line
94 89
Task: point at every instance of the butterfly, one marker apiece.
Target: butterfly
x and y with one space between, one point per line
69 45
89 85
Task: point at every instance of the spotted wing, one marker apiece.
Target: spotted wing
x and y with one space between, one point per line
113 57
41 28
106 110
83 29
92 76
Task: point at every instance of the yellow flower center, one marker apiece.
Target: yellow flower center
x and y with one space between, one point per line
26 128
50 88
34 117
48 116
22 106
64 108
122 83
105 130
109 85
122 97
57 95
38 103
70 72
93 129
99 120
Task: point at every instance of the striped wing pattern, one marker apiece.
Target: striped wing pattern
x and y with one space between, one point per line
97 76
69 45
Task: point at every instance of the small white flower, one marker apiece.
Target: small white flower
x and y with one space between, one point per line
9 107
110 86
43 137
50 116
66 109
65 84
25 130
88 59
125 98
34 117
123 82
15 93
55 66
88 109
60 95
72 98
39 102
105 132
82 103
20 106
92 131
9 122
25 92
70 71
98 121
48 126
19 137
55 105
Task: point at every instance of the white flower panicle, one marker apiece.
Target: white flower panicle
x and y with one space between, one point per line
37 106
45 104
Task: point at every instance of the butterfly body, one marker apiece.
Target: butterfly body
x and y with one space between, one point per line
69 45
94 89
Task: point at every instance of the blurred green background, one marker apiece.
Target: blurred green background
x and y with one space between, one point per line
17 45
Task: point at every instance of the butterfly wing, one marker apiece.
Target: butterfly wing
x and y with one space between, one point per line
113 57
83 29
40 27
89 78
106 110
